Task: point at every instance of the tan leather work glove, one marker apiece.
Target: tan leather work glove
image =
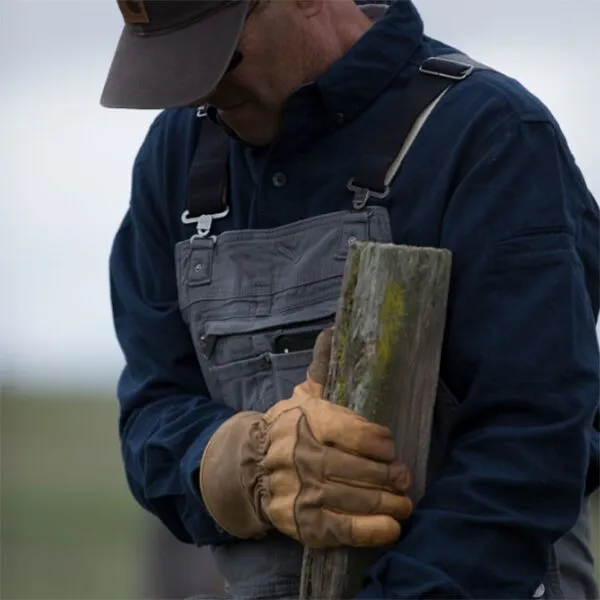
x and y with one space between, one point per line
316 471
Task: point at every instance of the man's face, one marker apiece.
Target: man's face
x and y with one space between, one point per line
279 54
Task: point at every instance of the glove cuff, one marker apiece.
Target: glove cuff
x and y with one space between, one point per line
230 476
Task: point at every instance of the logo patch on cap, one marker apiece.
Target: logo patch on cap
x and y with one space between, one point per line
134 11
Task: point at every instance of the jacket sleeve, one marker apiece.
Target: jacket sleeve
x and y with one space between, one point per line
166 416
521 356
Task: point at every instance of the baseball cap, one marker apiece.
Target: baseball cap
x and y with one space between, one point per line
172 52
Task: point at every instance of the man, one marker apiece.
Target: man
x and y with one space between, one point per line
229 262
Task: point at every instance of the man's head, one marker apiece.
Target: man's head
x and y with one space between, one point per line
244 57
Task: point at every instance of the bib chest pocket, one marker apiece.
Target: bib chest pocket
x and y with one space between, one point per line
292 355
256 369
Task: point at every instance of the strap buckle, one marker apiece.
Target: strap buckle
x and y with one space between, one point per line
362 194
203 222
448 69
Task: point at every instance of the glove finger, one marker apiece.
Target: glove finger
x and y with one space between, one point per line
376 530
283 487
337 530
364 472
338 426
319 367
359 501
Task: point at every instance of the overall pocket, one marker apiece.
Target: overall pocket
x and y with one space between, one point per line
291 356
289 370
255 369
246 384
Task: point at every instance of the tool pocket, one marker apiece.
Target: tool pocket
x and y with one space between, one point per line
245 384
256 368
292 354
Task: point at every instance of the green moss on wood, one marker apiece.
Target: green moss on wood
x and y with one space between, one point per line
391 318
343 329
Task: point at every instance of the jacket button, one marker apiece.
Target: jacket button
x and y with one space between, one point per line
279 180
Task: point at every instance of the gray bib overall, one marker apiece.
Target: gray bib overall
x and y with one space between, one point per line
255 300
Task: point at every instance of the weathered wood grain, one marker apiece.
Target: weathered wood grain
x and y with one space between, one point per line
385 366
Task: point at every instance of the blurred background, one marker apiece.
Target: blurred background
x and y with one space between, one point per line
69 528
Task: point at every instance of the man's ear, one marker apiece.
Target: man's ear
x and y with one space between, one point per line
310 8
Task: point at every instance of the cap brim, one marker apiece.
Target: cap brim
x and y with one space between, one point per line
174 69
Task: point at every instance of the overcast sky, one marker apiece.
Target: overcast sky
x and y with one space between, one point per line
65 161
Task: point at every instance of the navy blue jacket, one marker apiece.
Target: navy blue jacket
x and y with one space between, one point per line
492 179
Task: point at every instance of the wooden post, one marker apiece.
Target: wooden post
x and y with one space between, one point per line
385 366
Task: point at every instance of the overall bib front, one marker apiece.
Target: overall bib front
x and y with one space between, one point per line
254 302
244 295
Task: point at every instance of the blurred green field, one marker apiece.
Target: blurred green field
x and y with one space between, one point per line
69 527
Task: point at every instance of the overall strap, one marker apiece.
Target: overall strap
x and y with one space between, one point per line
382 160
207 185
207 181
